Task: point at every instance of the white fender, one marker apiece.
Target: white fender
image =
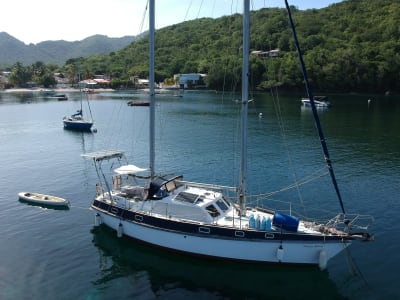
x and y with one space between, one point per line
98 189
279 253
97 220
119 230
323 261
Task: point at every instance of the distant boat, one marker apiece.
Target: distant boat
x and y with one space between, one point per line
319 101
47 92
60 97
77 121
52 94
89 91
139 103
42 199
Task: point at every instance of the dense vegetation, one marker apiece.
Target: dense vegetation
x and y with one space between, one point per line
351 46
38 72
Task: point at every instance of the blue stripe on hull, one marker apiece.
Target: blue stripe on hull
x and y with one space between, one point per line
212 231
77 126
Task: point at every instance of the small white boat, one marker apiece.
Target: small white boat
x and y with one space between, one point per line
319 101
36 198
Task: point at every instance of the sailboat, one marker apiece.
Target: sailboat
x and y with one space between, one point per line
77 121
200 219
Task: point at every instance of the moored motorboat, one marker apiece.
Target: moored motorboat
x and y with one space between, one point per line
319 101
60 97
138 103
43 199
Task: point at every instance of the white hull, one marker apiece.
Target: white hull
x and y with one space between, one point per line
294 252
307 102
203 219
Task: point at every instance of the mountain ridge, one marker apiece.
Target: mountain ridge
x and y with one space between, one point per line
59 51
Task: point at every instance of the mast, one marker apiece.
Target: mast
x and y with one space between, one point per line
151 86
79 83
245 99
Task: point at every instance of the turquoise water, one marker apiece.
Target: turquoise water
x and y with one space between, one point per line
57 254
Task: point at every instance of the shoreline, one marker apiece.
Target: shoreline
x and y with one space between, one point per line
56 90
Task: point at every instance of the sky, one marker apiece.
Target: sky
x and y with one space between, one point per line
34 21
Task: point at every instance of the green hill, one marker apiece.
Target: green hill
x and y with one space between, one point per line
351 46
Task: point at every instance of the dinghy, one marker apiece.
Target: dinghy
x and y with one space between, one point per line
42 199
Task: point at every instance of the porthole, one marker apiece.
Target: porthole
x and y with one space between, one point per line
204 229
269 235
239 233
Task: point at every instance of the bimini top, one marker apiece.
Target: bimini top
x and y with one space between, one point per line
129 170
104 154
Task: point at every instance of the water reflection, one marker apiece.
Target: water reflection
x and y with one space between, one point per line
163 274
81 137
23 96
44 206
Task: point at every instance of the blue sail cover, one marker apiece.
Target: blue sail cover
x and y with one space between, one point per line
78 113
285 222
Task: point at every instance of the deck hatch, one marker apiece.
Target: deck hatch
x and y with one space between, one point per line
186 197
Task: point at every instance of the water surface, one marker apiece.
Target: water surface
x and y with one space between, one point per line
57 254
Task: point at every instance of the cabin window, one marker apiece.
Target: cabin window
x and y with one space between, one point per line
200 199
161 193
213 211
170 186
222 205
226 201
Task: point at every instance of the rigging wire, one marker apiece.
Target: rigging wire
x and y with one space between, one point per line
144 17
316 118
222 103
276 101
198 13
352 264
278 113
90 110
187 11
355 270
294 185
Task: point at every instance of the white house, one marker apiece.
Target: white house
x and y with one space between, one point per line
190 80
267 54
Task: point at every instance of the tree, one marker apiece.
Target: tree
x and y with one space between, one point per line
20 75
350 46
47 80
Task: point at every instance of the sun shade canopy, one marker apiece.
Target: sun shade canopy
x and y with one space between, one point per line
129 170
